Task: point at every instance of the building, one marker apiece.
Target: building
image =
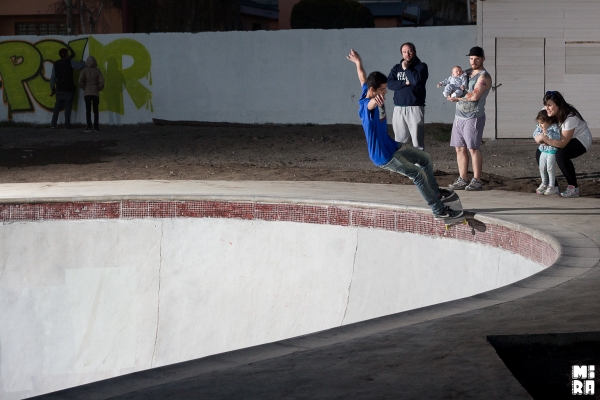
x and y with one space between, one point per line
533 46
39 17
396 13
258 15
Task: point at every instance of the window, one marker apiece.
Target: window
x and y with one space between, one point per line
40 28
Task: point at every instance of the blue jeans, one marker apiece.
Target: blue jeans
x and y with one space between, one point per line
403 162
63 100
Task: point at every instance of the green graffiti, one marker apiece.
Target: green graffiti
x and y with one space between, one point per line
110 62
19 62
40 86
22 67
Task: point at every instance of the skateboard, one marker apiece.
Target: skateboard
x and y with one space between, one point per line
451 199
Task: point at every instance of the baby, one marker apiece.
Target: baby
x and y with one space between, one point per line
547 126
455 84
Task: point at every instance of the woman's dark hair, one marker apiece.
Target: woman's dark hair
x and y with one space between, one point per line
564 109
543 116
376 79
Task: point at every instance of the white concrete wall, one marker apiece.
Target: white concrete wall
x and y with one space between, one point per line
87 300
293 76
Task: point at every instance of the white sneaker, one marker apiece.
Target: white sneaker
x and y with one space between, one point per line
474 185
541 189
459 184
571 191
551 191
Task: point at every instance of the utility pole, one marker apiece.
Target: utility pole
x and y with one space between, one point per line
125 17
469 15
69 17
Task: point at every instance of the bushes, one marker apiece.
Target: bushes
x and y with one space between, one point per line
330 14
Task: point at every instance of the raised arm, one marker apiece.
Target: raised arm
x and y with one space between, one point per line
355 58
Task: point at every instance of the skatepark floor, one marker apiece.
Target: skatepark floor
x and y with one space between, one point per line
465 349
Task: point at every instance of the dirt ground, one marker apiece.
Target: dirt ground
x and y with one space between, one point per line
34 153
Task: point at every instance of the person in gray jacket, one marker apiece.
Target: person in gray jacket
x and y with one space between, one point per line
91 81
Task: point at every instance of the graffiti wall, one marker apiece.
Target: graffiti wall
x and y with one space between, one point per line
25 69
293 76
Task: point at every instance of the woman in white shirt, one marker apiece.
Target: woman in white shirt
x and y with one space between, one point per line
575 138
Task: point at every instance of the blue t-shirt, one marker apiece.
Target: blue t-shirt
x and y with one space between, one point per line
381 146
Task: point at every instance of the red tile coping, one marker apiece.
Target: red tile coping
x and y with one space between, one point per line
398 221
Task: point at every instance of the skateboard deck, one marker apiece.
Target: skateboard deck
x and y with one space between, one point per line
467 218
451 199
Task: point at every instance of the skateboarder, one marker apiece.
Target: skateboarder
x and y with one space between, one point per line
390 155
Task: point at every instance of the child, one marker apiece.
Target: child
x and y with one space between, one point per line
455 84
547 126
388 154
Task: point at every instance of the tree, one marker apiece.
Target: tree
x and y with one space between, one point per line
90 12
330 14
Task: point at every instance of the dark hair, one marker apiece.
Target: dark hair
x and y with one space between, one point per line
376 79
409 44
564 109
63 53
543 116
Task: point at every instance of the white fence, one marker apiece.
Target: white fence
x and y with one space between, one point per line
292 76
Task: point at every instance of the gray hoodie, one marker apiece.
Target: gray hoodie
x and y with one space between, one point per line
91 79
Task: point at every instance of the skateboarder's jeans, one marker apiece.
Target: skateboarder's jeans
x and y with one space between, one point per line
403 162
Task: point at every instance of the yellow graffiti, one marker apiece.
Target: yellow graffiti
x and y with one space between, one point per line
40 86
19 62
110 62
23 78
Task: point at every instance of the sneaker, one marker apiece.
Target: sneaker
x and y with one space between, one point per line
444 194
459 184
551 191
571 191
474 185
88 129
448 213
541 189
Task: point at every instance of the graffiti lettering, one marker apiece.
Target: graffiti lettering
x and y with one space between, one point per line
110 62
23 78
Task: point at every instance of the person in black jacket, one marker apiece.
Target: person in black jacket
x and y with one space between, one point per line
408 80
61 84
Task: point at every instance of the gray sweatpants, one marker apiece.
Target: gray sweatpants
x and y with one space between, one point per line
548 168
409 125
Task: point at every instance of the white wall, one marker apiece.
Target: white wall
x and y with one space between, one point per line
537 45
82 301
293 76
